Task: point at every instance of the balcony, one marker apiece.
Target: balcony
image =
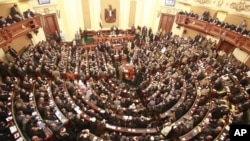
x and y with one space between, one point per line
9 33
236 39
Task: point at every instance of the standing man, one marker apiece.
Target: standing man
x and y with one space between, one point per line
85 34
15 14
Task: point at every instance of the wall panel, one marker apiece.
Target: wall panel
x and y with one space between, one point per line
19 43
5 9
240 55
187 32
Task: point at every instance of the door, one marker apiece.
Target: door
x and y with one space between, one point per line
166 22
225 46
50 25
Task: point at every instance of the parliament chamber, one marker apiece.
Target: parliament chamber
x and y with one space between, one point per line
132 86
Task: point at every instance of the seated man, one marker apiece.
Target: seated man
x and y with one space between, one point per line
12 52
3 22
28 14
114 30
9 20
15 14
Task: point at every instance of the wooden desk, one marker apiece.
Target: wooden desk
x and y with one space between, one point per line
123 37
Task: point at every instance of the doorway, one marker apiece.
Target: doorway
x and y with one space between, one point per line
50 26
166 22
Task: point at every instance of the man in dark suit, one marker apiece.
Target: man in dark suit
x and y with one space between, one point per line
28 14
9 20
15 14
3 22
85 34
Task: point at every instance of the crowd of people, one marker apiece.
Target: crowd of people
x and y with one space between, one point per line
15 16
64 92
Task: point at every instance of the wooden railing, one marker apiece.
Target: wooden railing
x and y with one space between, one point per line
234 38
13 31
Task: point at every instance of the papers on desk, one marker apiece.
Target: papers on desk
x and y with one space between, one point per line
165 131
163 50
127 117
13 129
34 113
225 77
110 126
9 118
102 111
40 124
77 109
116 45
248 73
51 103
59 116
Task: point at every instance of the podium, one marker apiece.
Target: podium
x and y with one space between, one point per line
129 71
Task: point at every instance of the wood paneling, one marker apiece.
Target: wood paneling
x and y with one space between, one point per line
226 46
187 32
248 62
50 24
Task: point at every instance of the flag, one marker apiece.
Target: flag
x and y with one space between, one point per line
100 23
